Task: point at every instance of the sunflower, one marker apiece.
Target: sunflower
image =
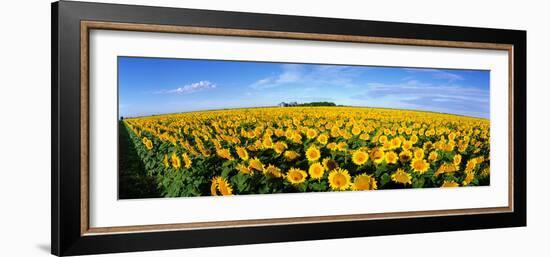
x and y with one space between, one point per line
418 153
449 184
339 179
452 136
267 143
364 182
400 176
391 157
356 131
382 139
405 156
457 159
386 145
329 164
224 187
224 153
273 171
297 138
214 186
258 144
313 154
480 159
331 146
280 147
186 161
252 148
175 160
420 165
296 176
323 139
445 168
342 146
291 155
407 145
377 155
430 132
242 153
217 144
316 170
334 132
279 132
414 139
450 146
428 146
433 156
256 164
311 133
165 161
244 169
469 177
148 143
462 147
395 143
359 157
471 165
364 136
204 151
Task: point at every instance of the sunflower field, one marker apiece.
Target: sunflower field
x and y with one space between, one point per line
309 149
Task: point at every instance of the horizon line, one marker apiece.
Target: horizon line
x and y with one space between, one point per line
276 106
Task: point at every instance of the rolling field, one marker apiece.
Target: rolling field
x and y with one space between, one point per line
308 149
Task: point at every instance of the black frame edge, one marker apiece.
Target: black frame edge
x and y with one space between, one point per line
54 130
520 125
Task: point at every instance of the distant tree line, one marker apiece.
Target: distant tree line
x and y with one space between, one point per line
292 104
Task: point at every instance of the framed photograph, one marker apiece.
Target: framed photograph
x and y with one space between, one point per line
178 128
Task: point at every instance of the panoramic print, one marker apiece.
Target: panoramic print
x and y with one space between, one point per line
219 128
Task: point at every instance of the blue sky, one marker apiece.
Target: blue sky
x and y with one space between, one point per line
156 85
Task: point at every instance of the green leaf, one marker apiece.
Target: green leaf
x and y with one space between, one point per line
384 179
302 187
318 186
226 171
240 180
418 182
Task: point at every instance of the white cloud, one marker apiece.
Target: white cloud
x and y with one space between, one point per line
291 73
422 90
458 99
438 74
317 75
190 88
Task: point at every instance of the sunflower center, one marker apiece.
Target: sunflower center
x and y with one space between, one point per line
362 183
297 176
331 165
339 180
418 165
316 170
401 177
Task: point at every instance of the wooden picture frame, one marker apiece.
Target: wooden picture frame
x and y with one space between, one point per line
71 25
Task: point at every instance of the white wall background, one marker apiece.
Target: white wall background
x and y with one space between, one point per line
25 127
